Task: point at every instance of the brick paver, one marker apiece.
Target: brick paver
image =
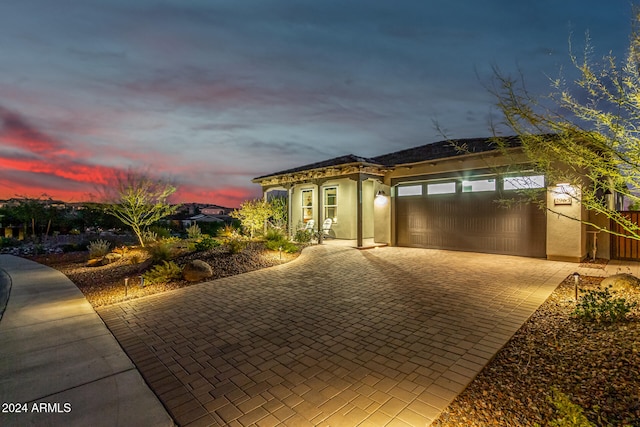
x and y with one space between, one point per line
386 336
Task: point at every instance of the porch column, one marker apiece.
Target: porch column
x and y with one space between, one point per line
319 183
289 188
359 242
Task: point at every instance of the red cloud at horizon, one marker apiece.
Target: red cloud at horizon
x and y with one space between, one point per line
47 166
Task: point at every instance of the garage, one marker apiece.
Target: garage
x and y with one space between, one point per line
462 214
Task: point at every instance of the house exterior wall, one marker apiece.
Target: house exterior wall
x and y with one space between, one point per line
566 234
382 215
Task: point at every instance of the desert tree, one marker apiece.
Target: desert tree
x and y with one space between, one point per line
587 133
139 200
253 215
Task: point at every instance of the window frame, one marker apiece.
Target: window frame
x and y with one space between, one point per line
308 207
326 206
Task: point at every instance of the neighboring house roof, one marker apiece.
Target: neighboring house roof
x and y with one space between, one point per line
432 151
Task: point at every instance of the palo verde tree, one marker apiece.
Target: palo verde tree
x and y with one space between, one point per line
138 200
253 215
586 134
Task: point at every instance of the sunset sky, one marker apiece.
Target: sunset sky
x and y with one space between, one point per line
212 93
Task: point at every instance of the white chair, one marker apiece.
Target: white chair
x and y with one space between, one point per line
326 227
309 226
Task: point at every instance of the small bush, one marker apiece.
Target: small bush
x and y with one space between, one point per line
569 414
302 236
207 242
194 232
160 232
149 236
281 245
8 242
274 234
163 273
98 248
228 231
160 251
236 245
600 305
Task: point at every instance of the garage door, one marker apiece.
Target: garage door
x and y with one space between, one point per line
467 221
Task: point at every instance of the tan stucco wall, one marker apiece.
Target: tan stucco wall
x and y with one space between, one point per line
566 234
382 215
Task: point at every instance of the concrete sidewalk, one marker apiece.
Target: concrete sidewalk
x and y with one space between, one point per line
59 364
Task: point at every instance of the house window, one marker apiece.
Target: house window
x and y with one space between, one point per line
476 185
523 182
410 190
307 205
441 188
331 203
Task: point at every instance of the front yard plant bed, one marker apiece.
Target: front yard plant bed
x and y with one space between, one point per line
104 285
597 366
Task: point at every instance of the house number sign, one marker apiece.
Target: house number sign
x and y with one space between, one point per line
562 200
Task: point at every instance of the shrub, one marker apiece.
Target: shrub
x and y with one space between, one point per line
207 242
302 236
236 245
194 232
160 251
569 414
160 232
149 236
98 248
163 273
274 234
228 231
8 242
600 305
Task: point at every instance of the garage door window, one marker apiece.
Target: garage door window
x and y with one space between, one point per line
524 182
441 188
476 185
410 190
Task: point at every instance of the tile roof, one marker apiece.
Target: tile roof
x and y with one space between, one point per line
432 151
443 149
336 161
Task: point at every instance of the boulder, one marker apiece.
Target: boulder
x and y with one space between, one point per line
621 282
196 271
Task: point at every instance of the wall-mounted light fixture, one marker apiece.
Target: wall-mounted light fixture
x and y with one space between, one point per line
381 198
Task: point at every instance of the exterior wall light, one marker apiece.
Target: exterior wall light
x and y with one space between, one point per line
381 198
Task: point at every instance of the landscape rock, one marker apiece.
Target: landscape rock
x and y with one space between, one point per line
196 270
621 282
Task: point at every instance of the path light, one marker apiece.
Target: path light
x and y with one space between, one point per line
576 280
142 281
126 285
280 249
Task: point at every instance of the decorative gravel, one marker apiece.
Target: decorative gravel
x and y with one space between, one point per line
104 285
596 365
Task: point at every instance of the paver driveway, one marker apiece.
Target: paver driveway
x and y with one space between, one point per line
339 337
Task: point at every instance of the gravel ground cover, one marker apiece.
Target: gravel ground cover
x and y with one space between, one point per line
104 285
596 365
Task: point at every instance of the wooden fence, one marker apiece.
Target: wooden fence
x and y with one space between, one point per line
623 247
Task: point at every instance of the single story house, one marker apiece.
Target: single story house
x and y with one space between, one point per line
440 195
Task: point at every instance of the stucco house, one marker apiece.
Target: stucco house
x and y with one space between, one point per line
439 196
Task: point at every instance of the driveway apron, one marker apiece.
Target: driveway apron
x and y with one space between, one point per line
338 337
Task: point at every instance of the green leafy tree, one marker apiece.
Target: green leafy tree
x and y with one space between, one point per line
279 212
140 201
587 134
253 215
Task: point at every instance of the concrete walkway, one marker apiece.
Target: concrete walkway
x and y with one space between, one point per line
338 337
59 364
